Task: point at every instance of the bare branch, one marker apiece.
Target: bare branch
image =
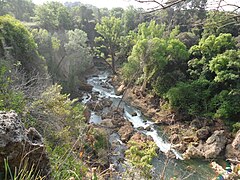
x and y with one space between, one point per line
160 5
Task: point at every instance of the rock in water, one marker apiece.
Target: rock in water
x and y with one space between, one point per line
120 90
215 144
21 146
210 149
233 149
126 131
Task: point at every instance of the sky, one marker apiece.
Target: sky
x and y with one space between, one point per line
125 3
101 3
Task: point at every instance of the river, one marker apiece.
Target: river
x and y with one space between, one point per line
196 169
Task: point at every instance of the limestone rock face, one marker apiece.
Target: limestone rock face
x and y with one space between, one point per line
233 149
236 141
215 144
20 146
210 149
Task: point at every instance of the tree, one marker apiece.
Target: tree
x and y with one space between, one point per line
48 46
20 9
83 18
110 31
151 55
131 18
159 58
226 66
78 56
218 22
207 49
117 12
53 16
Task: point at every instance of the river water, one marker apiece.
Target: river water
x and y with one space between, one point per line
182 169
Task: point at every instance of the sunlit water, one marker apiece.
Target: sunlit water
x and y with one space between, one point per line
182 169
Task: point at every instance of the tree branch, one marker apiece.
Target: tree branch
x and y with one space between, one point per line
160 5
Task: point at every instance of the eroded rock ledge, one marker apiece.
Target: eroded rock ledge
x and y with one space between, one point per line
21 146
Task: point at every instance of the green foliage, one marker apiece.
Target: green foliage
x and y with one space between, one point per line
227 104
236 127
129 68
218 22
188 38
60 111
23 174
226 66
9 99
21 44
101 141
20 9
79 58
131 18
149 54
191 97
167 80
206 50
151 30
53 16
65 163
62 124
140 154
110 30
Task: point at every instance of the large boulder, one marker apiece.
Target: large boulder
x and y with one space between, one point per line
141 138
203 133
210 149
120 90
233 149
20 146
126 131
215 144
95 105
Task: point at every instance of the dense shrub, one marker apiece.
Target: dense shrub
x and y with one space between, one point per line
22 46
141 156
191 97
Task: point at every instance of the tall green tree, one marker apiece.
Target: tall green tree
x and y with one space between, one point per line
78 57
53 16
207 49
20 9
110 30
218 22
84 18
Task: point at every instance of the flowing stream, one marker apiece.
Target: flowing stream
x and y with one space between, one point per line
183 169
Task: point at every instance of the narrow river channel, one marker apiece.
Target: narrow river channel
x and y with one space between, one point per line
182 169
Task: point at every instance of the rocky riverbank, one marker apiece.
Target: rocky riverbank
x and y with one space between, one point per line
194 137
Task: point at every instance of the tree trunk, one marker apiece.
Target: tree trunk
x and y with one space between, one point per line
113 63
144 84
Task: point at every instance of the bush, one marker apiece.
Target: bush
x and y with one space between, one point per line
227 104
191 97
9 99
61 122
130 68
236 126
24 48
141 156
